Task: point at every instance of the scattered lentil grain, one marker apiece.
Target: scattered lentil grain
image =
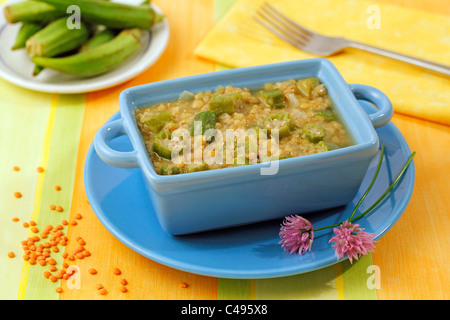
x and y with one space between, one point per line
16 168
59 209
11 254
92 271
183 285
123 289
40 169
57 188
17 194
103 291
59 290
117 271
15 219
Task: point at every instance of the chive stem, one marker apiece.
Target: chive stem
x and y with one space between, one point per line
393 184
371 184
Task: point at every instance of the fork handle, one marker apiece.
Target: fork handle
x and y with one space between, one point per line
440 68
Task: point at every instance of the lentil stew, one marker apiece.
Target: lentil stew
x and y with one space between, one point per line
281 120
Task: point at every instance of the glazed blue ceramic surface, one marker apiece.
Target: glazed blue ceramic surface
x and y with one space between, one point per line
120 200
200 201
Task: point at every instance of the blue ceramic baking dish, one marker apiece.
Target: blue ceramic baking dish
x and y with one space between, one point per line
200 201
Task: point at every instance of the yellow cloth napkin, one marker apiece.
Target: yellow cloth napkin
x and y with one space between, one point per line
239 41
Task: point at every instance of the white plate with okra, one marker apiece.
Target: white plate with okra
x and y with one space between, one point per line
52 46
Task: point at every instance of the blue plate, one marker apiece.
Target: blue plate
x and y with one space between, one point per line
120 201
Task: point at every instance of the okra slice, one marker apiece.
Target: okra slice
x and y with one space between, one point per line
195 168
306 86
273 98
207 119
225 103
327 114
327 146
157 122
279 121
161 145
169 169
314 133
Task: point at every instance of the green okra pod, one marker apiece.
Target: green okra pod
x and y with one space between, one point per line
27 30
111 14
97 60
98 39
31 11
56 38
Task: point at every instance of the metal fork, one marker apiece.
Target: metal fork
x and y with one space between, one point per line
321 45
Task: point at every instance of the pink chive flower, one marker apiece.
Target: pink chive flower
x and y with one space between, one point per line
352 240
297 234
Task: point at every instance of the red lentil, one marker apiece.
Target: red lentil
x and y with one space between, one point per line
123 289
103 291
52 207
123 282
92 271
59 290
11 254
117 271
57 188
17 194
26 225
78 216
59 209
183 285
16 168
15 219
40 169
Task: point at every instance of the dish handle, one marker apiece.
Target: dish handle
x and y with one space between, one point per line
379 99
102 139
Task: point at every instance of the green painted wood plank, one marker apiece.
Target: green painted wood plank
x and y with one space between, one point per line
358 279
232 289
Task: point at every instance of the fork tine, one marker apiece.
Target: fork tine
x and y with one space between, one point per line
274 27
299 28
288 29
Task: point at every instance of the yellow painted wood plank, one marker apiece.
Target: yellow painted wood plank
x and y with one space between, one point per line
24 117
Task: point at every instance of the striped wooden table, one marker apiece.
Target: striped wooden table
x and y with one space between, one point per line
55 132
